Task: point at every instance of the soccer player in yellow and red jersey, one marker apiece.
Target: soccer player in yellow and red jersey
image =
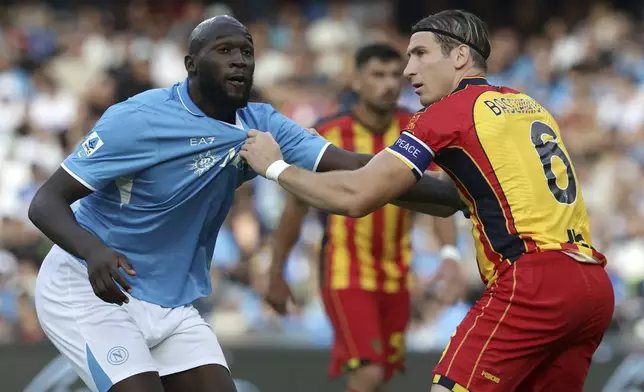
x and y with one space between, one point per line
364 270
548 300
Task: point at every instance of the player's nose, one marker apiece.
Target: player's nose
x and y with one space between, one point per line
410 70
237 59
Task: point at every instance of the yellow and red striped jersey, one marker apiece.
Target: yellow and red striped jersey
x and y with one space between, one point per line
505 153
371 253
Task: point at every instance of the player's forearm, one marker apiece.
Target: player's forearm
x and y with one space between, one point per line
337 192
52 214
445 230
426 208
287 233
335 158
432 190
429 190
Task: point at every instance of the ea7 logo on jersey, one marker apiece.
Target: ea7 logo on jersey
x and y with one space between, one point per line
92 144
197 141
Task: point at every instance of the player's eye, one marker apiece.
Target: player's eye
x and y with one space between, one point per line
248 52
223 49
418 52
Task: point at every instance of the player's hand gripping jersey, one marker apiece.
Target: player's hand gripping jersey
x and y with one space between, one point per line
505 153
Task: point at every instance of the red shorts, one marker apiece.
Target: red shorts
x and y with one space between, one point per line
535 329
369 328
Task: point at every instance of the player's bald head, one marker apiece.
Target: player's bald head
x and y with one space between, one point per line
221 61
213 28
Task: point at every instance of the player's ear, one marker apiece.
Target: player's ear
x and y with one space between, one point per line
460 56
189 63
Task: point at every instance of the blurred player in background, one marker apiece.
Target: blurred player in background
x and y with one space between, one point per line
157 176
548 300
364 271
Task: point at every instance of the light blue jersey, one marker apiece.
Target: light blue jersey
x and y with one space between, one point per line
164 175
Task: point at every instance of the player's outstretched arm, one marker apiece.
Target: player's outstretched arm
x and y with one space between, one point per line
431 195
303 148
353 193
284 238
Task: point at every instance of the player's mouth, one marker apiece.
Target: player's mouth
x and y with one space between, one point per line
237 80
417 87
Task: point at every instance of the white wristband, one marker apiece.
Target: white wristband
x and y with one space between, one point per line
275 169
450 252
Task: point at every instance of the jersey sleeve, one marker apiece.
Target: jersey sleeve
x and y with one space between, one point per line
426 134
120 143
440 125
298 146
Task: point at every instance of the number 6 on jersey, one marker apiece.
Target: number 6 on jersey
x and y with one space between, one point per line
546 142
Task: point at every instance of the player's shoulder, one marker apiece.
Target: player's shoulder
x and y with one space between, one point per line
456 108
128 119
150 103
151 98
500 92
123 113
508 90
461 100
506 100
342 119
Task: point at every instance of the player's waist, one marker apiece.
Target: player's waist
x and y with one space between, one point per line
359 265
363 250
542 256
167 291
580 253
361 271
553 256
514 251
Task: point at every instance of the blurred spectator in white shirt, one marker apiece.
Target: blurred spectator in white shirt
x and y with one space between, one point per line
52 109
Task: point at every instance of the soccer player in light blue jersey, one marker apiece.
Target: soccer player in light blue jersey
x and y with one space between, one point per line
156 178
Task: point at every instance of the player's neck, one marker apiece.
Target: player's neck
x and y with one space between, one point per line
374 120
470 73
219 110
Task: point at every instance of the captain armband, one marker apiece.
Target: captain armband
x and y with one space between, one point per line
413 152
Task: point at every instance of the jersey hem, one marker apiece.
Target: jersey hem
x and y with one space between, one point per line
319 158
77 177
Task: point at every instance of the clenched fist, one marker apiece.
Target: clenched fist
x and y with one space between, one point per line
260 150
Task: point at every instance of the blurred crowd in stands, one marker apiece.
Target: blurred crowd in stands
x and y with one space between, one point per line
61 67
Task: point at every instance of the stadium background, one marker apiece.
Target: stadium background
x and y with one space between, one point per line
63 62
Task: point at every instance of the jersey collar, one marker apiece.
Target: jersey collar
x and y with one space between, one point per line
186 101
475 80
